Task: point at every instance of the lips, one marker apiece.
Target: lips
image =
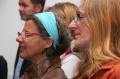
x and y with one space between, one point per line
22 14
76 35
22 48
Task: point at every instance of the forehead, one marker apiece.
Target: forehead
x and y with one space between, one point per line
25 2
30 25
80 9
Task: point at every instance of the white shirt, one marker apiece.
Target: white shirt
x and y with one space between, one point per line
69 63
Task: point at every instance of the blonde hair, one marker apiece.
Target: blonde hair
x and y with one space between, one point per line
66 9
103 18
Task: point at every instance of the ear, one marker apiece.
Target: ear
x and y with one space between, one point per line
38 8
49 42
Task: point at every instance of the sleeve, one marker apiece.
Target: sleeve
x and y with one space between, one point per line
3 68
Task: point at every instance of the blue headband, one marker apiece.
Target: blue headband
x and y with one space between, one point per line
49 22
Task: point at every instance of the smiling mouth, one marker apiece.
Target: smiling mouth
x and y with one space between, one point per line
22 15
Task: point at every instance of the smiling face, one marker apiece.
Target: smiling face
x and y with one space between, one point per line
32 46
80 31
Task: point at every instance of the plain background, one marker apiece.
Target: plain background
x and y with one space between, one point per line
10 24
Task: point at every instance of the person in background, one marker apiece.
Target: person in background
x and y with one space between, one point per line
30 7
66 9
43 39
3 68
69 58
96 30
26 7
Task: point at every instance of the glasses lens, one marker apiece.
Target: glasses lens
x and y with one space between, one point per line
76 18
23 34
18 33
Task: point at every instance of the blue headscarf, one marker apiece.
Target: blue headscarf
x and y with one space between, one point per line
49 22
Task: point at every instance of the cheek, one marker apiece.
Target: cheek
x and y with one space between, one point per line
27 52
82 42
85 36
35 47
30 11
84 30
32 48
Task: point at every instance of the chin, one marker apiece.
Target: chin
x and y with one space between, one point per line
22 18
74 46
22 55
75 49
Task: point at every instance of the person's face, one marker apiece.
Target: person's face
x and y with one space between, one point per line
25 8
80 31
31 44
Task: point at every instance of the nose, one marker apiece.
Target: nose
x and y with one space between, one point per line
72 25
20 8
19 39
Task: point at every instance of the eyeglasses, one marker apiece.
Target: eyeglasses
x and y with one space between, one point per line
26 34
78 17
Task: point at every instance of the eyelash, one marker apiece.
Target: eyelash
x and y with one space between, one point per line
80 16
27 34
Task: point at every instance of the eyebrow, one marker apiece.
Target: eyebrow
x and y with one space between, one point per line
79 11
26 31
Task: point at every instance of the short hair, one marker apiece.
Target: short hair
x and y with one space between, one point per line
35 2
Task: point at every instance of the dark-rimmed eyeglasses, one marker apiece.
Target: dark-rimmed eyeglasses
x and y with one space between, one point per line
26 34
78 17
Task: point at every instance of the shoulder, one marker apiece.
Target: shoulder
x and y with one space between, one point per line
113 70
115 67
1 56
110 70
116 70
2 60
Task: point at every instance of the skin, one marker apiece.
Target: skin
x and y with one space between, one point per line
31 46
26 7
81 32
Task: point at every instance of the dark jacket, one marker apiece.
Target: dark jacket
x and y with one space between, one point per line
45 69
3 68
25 64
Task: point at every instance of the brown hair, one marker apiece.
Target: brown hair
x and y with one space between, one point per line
64 35
35 2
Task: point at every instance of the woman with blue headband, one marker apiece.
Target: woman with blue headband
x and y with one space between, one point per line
43 39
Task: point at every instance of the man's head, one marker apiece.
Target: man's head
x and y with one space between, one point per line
30 7
80 31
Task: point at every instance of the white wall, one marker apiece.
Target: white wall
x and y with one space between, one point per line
10 24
